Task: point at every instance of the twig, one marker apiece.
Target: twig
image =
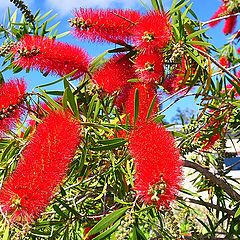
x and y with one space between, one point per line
207 204
233 67
176 100
220 18
212 178
218 64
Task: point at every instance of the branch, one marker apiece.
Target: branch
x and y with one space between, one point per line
207 204
220 18
218 64
212 178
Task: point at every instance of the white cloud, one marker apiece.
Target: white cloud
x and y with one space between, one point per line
66 6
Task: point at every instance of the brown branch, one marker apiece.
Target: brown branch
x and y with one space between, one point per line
212 178
218 64
207 204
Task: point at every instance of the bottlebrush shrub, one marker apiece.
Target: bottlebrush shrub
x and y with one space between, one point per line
114 74
146 93
111 25
230 22
12 96
158 164
149 66
152 31
42 167
50 56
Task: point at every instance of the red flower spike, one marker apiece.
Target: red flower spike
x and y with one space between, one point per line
12 95
229 25
158 164
146 94
43 166
50 56
152 31
149 66
219 13
114 74
238 50
111 25
224 61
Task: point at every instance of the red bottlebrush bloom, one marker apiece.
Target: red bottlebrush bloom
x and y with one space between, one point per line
111 25
224 61
238 50
50 56
158 163
149 66
43 166
212 130
219 13
152 31
146 93
230 22
12 95
229 25
114 74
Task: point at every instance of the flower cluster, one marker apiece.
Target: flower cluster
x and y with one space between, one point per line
50 56
143 64
134 78
224 10
12 96
158 164
42 167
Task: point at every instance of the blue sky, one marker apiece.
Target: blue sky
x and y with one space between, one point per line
203 8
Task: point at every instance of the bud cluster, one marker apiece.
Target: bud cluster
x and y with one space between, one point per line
6 48
24 9
125 227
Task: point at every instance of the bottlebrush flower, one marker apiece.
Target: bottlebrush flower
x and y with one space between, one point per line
12 95
230 22
146 93
238 50
111 25
224 61
152 31
42 167
149 66
212 130
114 74
158 163
50 56
229 25
219 13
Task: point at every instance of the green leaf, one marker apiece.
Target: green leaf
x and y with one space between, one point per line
62 34
237 213
195 58
198 43
50 102
112 144
71 99
178 6
136 105
91 105
107 221
151 107
155 4
108 231
59 211
6 233
195 33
